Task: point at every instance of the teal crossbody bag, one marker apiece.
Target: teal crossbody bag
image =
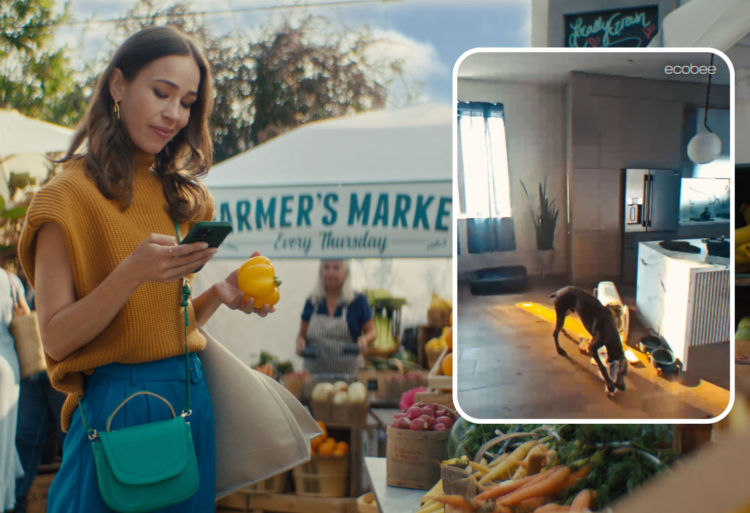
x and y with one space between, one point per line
148 466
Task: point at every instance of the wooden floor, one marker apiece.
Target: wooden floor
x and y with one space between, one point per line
508 368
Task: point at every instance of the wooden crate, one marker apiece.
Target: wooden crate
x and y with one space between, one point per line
441 397
340 414
425 333
436 379
438 316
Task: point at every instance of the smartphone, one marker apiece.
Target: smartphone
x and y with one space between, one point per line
212 232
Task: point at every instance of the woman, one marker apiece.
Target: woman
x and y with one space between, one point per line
334 315
10 378
100 248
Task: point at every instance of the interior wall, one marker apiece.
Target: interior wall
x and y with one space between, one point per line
535 131
619 123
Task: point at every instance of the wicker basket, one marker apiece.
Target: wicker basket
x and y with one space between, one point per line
323 476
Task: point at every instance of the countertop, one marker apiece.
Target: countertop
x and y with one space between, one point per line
698 259
391 499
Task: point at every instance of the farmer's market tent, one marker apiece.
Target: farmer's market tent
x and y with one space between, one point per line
21 134
23 143
371 186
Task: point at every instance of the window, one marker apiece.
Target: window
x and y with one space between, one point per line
483 182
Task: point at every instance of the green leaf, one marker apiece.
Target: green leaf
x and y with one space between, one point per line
14 213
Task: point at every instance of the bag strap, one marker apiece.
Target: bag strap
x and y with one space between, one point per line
186 411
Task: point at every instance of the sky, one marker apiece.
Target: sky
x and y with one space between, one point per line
429 34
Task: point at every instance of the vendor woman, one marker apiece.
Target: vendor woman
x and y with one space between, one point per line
334 315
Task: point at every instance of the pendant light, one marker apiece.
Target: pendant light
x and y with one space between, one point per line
705 146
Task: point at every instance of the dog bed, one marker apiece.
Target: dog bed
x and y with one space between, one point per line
498 280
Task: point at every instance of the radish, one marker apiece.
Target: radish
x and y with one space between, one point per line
402 423
427 421
430 410
440 427
416 425
413 412
444 420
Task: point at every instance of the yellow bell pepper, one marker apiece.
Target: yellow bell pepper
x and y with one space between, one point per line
256 279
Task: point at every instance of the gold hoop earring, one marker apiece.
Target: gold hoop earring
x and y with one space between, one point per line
117 110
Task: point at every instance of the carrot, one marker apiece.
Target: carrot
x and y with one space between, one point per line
552 507
576 475
528 505
507 487
457 501
505 469
478 467
551 485
582 500
499 508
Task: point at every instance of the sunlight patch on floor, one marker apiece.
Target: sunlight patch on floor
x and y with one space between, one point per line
572 326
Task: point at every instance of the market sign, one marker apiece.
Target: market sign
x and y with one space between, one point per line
633 27
337 221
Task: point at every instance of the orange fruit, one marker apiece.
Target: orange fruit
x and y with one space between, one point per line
327 447
317 441
448 337
342 446
323 427
447 365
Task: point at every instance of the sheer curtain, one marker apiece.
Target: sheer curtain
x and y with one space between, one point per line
483 181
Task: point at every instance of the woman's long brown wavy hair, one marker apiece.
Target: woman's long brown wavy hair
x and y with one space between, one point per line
110 153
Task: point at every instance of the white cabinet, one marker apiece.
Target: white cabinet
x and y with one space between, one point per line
684 297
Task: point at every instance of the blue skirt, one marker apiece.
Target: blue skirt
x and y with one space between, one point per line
75 488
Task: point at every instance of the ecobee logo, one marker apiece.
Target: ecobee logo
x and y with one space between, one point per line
689 69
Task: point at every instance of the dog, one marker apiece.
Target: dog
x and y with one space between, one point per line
600 322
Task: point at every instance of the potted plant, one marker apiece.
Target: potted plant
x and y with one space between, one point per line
545 222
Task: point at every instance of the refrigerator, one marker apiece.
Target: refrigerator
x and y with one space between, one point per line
652 211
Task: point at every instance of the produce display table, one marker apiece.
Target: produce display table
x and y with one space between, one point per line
391 499
384 416
290 503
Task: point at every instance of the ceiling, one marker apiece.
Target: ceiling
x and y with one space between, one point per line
552 67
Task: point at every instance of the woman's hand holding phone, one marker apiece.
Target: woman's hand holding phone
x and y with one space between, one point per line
160 259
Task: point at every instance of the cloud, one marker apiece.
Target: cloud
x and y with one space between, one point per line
420 58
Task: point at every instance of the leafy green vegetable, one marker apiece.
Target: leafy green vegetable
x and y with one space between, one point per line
620 456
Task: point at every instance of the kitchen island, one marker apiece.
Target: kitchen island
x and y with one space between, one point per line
683 296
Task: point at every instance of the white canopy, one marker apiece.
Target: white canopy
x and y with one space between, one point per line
387 154
21 134
376 184
408 144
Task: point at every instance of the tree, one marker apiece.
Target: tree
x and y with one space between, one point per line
293 73
35 78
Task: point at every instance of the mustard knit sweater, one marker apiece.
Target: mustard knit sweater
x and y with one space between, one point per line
99 235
